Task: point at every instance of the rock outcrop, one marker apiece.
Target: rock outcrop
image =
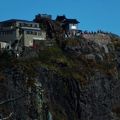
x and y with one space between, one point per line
83 84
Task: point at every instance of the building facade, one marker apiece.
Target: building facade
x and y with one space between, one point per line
70 26
15 32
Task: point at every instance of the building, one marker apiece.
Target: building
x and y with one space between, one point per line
14 33
69 25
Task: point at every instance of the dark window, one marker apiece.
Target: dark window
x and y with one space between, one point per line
28 25
28 32
40 33
3 33
34 33
35 26
20 24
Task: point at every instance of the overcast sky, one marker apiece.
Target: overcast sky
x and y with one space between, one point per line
92 14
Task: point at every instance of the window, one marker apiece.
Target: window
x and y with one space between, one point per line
34 33
28 32
29 25
20 24
25 25
35 26
3 33
40 33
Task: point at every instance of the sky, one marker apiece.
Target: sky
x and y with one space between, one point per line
93 15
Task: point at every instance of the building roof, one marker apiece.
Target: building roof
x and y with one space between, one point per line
65 20
71 21
16 20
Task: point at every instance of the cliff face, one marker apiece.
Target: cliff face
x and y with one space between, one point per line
80 82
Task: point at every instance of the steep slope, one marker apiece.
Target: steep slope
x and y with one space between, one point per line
78 82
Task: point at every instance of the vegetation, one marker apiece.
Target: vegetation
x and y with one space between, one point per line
64 63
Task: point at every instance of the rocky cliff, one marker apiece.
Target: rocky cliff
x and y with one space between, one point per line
77 81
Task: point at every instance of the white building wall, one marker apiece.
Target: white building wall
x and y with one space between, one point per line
23 27
29 38
4 45
72 26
